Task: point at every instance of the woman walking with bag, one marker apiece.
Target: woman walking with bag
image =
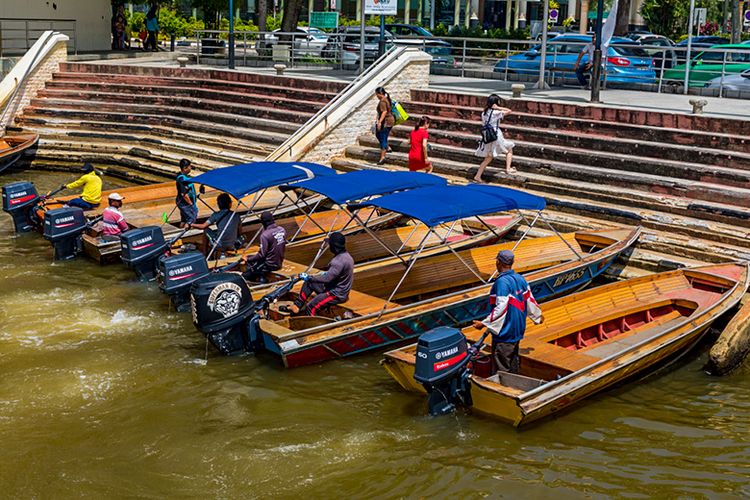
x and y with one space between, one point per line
385 121
493 144
418 153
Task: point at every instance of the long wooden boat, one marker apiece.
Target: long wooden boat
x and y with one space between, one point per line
596 338
446 289
13 146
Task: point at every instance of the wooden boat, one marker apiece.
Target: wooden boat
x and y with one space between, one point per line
446 289
596 338
13 146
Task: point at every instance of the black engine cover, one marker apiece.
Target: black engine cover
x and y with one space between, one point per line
19 199
141 249
177 273
63 227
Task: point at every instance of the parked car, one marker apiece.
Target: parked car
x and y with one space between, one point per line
626 61
709 65
345 44
739 82
636 34
440 50
307 41
703 42
660 48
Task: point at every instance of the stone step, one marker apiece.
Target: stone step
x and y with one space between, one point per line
182 118
213 134
682 239
161 95
97 81
143 146
111 169
584 173
607 160
179 106
589 112
290 81
628 201
469 120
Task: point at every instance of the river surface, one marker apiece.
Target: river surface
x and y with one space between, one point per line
105 393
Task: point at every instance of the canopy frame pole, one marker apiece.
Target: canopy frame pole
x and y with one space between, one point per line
466 264
412 260
378 240
448 235
322 247
560 236
416 226
488 226
528 227
307 217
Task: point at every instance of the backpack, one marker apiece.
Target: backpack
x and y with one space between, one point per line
489 134
399 113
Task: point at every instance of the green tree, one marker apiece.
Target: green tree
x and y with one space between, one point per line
665 17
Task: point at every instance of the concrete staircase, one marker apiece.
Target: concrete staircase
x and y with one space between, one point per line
686 179
137 122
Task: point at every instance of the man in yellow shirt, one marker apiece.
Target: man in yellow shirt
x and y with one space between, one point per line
91 195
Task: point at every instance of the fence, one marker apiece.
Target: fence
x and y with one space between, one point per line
18 35
625 65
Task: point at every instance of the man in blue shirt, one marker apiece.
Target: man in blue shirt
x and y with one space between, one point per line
511 301
186 198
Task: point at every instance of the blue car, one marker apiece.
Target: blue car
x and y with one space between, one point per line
406 34
626 61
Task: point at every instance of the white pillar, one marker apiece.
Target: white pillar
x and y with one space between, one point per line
467 13
407 11
522 14
508 8
572 9
456 12
516 14
419 11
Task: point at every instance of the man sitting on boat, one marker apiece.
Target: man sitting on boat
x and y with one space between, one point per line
270 255
92 189
187 201
113 222
511 301
330 287
224 237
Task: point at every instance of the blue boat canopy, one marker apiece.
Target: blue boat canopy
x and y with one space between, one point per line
354 186
242 180
440 204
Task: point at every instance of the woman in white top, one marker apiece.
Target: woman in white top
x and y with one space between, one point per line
492 115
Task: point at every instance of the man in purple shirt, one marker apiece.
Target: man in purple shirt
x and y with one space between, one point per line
270 256
330 287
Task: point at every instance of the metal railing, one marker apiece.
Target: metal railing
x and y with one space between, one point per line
656 69
18 35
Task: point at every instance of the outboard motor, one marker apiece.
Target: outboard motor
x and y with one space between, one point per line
141 249
177 273
63 227
222 305
442 356
19 200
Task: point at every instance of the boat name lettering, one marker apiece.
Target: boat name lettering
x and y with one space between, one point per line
567 278
443 354
180 270
63 220
142 241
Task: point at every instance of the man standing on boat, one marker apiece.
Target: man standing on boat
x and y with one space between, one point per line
186 198
92 189
511 301
270 255
330 287
113 222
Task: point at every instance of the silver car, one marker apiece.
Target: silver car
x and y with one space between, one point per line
307 41
738 83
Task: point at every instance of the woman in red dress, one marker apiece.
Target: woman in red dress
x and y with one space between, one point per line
418 152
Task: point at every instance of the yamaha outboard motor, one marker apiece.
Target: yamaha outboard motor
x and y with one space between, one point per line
19 200
177 273
442 356
63 227
141 249
222 306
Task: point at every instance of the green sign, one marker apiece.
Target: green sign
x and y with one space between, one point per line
592 14
324 20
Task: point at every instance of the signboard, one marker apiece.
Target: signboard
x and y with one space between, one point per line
324 20
553 15
381 7
746 17
700 16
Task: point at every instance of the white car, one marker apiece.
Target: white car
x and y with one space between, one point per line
307 41
739 82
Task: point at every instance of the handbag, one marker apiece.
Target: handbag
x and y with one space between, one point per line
489 134
399 113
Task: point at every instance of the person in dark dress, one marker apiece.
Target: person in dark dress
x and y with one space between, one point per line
330 287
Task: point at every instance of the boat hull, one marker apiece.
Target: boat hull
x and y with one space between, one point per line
408 322
16 146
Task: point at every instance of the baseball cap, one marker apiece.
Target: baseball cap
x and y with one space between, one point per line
115 196
506 257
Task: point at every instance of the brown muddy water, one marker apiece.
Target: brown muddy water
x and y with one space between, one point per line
105 393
